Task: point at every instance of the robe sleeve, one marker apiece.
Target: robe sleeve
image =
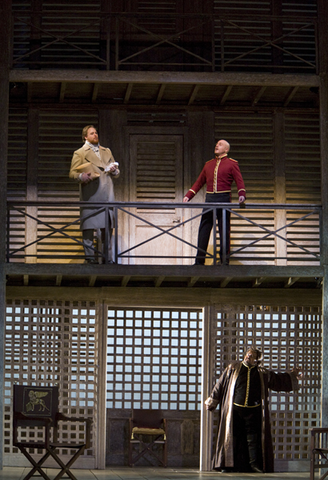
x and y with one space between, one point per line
282 382
220 389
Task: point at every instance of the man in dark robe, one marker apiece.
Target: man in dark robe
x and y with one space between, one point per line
242 394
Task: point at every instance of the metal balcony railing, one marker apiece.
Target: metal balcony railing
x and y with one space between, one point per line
275 234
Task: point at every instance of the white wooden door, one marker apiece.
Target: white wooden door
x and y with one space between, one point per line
156 166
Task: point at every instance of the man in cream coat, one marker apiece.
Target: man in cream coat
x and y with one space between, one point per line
94 168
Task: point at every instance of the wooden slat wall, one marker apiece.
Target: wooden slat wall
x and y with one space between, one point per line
238 42
241 47
303 182
156 171
17 172
59 137
246 43
65 20
251 139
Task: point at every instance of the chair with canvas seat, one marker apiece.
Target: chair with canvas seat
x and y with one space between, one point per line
147 432
37 424
318 452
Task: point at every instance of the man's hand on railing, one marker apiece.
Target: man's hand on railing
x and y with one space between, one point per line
185 199
242 201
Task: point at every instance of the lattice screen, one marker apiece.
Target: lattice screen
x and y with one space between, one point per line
154 358
52 342
288 337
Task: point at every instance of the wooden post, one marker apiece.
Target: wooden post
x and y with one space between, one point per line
280 185
323 71
5 34
32 186
206 419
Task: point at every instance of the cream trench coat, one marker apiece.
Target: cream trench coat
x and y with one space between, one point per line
100 189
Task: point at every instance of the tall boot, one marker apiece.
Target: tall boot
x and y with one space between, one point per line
253 453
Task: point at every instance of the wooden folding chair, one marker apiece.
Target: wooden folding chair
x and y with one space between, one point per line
37 424
147 429
319 452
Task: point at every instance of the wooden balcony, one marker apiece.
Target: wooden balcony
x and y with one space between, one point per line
45 247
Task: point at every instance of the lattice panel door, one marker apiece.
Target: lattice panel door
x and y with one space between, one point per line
154 358
288 337
47 343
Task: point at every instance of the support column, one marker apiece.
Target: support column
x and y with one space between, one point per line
323 71
280 185
5 35
206 419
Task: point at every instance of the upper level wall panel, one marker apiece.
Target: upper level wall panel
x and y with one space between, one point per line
167 35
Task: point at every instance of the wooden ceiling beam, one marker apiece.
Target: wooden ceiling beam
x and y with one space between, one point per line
290 95
225 282
62 92
258 95
193 94
160 94
291 281
128 93
167 78
95 92
226 94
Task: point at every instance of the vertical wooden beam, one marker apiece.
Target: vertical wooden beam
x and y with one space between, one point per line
323 71
5 34
102 386
279 184
206 418
32 186
277 32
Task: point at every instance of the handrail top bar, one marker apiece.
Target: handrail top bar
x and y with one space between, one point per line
247 206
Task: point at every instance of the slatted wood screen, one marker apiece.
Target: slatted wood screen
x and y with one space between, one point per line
62 35
165 25
17 172
52 342
303 184
57 136
288 336
241 48
251 138
247 38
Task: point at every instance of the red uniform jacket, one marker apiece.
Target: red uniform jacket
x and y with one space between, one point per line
218 175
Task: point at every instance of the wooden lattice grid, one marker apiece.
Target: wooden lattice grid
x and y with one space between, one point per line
47 343
154 358
288 336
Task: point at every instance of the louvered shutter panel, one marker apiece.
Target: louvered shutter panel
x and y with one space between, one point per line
303 185
59 137
251 140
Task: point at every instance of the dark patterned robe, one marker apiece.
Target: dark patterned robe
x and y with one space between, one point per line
223 393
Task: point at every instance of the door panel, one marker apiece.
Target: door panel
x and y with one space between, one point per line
156 163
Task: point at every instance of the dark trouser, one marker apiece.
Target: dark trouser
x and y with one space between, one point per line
206 225
88 244
247 425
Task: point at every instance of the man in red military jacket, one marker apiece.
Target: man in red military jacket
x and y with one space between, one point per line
218 175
